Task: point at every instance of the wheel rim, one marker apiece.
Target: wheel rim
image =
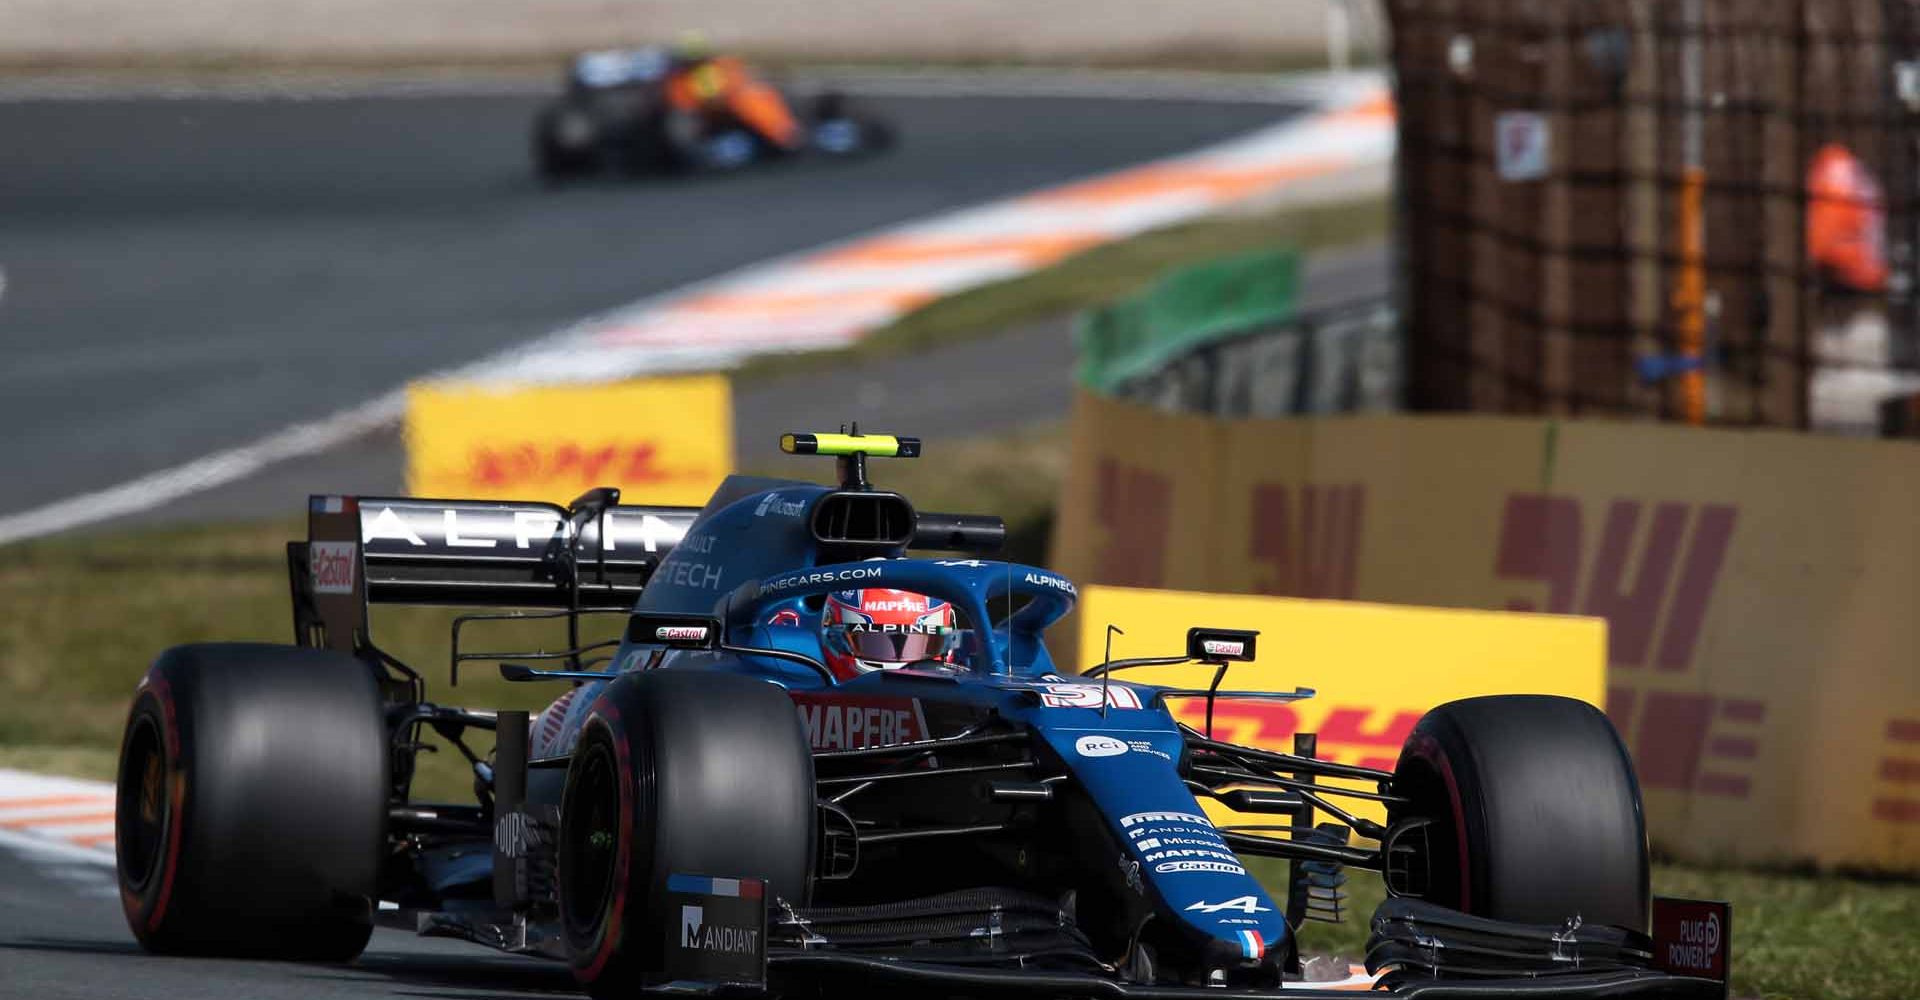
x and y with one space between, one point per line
1439 856
590 841
143 808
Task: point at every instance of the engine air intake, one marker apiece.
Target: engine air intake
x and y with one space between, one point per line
863 522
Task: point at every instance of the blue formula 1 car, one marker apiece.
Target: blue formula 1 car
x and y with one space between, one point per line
707 807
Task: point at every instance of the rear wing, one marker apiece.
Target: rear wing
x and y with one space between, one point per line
595 554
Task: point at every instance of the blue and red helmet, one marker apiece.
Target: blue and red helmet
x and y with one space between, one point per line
876 629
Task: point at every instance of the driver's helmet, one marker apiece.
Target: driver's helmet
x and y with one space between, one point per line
876 629
692 48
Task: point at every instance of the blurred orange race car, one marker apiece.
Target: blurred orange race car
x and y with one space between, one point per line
656 109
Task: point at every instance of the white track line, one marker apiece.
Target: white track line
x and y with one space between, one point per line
218 469
833 295
579 352
160 488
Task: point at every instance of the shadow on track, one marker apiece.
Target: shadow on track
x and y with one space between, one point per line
480 975
72 946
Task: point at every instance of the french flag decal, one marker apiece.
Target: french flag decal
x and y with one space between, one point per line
741 888
1252 945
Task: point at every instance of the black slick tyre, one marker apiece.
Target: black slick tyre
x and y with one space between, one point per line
677 772
876 136
252 803
1534 812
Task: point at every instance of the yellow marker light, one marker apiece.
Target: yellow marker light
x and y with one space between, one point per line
875 445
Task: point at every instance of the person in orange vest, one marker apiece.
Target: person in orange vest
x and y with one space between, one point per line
1846 221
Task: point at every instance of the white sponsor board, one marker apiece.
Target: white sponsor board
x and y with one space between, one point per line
1523 145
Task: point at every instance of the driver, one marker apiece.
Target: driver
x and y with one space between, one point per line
708 83
875 629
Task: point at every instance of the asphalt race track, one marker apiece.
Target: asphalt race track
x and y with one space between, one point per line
62 937
978 386
185 275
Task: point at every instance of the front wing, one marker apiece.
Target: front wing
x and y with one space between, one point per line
789 966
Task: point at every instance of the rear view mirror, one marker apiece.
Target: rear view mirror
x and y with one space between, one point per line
677 631
1220 645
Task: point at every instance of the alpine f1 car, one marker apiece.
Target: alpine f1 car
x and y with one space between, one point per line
708 806
657 110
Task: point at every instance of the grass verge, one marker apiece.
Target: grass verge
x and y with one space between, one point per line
86 615
1796 936
1101 274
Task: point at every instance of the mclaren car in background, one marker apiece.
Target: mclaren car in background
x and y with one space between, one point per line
660 110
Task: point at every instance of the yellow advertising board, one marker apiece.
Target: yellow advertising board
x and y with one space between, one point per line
1375 669
1762 588
660 440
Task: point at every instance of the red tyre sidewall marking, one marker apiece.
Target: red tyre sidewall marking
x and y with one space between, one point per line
609 716
176 794
1428 749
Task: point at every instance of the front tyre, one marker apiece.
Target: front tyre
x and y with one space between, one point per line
843 128
252 803
566 142
676 772
1532 812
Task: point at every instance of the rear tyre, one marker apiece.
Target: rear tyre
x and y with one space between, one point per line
252 803
677 772
1533 808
